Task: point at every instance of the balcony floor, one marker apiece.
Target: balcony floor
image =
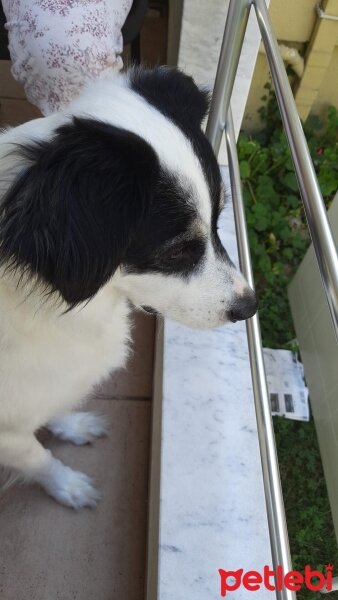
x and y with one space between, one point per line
52 552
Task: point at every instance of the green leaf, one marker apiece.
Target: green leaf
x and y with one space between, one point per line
289 165
287 252
290 181
265 188
244 168
247 197
293 201
314 122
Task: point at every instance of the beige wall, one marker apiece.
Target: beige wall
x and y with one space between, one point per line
297 24
293 20
328 92
251 119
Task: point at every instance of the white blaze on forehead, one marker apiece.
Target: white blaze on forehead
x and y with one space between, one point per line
115 103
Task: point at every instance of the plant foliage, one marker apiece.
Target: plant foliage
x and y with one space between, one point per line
278 238
277 227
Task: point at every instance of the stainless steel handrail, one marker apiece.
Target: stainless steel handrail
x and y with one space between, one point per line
235 26
233 37
220 119
320 230
279 542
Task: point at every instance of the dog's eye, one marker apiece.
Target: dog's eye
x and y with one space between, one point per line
183 256
179 253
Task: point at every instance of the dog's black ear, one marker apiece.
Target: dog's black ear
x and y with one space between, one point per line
69 217
172 92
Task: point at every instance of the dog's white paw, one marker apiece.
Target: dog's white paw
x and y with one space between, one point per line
71 488
80 427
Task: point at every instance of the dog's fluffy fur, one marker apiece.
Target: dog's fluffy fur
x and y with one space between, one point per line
114 201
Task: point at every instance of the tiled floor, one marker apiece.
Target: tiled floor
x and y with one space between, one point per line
49 552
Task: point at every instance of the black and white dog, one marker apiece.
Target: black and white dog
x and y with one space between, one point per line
114 201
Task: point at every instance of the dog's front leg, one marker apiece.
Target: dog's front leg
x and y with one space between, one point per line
79 427
26 456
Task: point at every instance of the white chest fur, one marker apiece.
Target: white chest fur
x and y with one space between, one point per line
50 361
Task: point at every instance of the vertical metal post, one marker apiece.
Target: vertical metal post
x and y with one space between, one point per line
321 234
272 486
220 114
236 22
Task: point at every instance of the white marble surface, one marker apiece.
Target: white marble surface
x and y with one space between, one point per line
201 37
212 507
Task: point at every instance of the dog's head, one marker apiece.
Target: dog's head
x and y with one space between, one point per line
129 192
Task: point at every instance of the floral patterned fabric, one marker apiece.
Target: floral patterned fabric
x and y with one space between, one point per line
57 45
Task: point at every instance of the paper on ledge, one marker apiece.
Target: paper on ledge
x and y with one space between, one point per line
289 395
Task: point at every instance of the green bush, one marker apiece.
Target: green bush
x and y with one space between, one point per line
277 227
278 238
310 527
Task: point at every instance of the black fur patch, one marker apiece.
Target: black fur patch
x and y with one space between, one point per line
177 97
70 216
173 93
171 216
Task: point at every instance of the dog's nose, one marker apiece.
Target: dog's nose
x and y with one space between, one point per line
243 307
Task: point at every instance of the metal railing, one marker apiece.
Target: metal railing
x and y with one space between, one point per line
220 120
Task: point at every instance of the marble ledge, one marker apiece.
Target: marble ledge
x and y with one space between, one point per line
212 506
